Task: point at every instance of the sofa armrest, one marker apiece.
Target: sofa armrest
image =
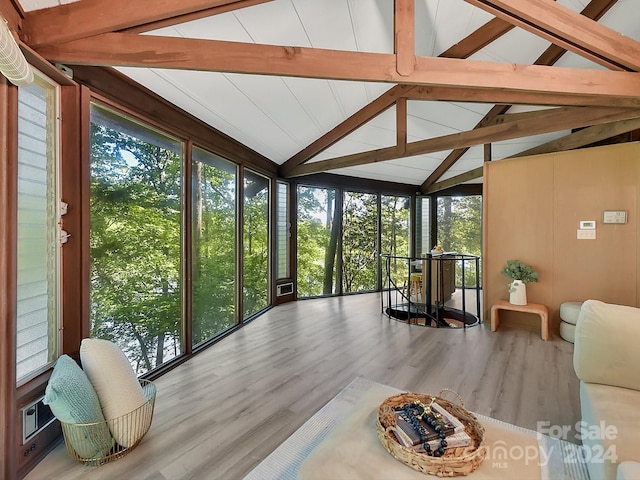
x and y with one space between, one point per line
628 470
606 349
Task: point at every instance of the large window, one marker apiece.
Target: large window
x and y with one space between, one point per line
359 242
38 255
395 227
255 277
282 230
135 238
318 229
423 226
214 245
460 230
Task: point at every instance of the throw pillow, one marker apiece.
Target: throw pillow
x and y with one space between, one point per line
117 387
73 400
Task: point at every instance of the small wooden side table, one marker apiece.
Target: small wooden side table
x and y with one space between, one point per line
535 308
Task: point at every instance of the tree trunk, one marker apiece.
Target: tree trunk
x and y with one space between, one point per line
330 253
160 349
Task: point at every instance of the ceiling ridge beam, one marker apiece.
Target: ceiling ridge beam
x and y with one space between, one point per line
562 120
87 18
569 30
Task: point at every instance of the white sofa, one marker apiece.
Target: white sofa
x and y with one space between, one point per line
606 359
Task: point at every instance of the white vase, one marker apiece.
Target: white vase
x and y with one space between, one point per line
518 293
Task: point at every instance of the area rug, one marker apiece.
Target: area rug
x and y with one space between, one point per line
563 459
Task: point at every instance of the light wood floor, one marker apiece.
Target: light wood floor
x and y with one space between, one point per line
219 414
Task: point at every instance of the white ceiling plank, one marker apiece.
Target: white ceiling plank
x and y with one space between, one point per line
434 119
516 46
460 18
319 102
219 27
276 23
327 23
373 25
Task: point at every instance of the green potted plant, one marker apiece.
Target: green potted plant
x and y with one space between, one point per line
520 274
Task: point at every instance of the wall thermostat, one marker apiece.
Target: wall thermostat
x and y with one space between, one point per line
587 224
614 216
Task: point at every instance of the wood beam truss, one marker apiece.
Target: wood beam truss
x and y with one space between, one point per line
445 78
581 138
86 18
570 30
544 122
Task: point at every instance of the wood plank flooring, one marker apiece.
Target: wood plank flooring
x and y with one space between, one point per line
219 414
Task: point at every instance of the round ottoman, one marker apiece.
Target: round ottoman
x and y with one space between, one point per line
569 312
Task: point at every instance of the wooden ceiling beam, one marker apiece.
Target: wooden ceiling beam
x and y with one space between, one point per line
86 18
455 180
547 121
12 13
401 123
362 116
594 10
476 41
569 30
122 49
404 38
467 47
578 139
188 17
583 137
457 153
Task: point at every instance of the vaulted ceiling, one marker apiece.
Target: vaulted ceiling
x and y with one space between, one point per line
405 91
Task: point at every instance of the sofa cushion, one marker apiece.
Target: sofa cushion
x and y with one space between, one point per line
116 384
615 413
570 311
568 332
72 399
606 344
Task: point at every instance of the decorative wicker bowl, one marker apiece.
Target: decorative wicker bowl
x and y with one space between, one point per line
137 424
455 461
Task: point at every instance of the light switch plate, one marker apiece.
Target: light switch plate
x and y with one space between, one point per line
586 234
614 216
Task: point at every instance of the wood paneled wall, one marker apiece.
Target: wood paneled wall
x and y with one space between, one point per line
532 209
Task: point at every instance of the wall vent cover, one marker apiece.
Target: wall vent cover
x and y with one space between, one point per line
284 289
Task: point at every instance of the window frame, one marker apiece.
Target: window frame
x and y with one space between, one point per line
56 150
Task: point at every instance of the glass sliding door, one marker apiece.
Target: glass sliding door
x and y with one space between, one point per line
359 242
255 277
214 245
395 230
135 238
318 228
